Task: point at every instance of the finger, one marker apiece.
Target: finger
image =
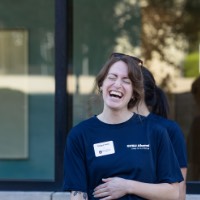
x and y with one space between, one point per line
99 191
100 187
106 179
101 195
106 198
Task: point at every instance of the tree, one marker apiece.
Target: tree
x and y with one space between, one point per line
167 23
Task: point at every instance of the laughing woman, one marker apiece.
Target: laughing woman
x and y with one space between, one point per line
115 154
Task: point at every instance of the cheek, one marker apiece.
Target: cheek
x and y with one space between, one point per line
130 89
104 89
105 85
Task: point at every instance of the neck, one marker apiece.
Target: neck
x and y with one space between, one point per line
141 109
115 116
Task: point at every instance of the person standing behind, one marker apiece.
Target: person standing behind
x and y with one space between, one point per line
193 137
156 102
115 155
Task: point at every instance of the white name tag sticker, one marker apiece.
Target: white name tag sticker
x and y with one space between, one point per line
104 148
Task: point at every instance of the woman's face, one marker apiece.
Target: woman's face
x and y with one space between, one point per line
117 89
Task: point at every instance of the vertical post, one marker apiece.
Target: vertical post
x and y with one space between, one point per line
63 102
199 58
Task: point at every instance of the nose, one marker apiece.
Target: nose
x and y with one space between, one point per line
118 83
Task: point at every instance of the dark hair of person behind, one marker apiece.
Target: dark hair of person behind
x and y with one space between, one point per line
155 97
162 106
195 89
134 74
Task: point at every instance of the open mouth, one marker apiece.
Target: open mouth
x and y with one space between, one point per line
116 94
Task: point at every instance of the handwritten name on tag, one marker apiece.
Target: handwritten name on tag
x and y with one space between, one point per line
104 148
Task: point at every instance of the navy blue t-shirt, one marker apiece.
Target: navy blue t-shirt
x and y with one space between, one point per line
176 136
136 150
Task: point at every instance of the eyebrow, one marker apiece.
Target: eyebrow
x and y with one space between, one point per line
125 77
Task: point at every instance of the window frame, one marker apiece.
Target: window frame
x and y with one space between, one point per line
193 187
63 120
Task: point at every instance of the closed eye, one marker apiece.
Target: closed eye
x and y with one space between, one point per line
126 80
112 77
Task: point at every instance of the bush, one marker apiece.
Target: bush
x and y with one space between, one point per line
191 65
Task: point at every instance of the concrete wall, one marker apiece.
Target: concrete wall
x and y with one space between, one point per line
51 196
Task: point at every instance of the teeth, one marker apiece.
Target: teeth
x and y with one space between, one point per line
115 93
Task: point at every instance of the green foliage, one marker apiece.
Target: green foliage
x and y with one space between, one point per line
191 65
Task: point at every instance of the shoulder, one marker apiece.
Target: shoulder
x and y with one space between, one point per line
153 126
172 127
81 128
167 123
157 118
154 121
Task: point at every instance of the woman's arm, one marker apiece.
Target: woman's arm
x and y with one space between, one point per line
76 195
114 188
161 191
183 184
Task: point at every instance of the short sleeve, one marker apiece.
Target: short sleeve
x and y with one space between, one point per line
178 143
168 170
74 165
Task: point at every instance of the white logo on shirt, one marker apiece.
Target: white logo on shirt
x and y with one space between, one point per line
138 146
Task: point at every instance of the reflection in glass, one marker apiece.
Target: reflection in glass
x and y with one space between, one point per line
28 87
97 33
165 35
13 100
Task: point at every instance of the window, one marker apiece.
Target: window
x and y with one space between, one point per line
29 158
